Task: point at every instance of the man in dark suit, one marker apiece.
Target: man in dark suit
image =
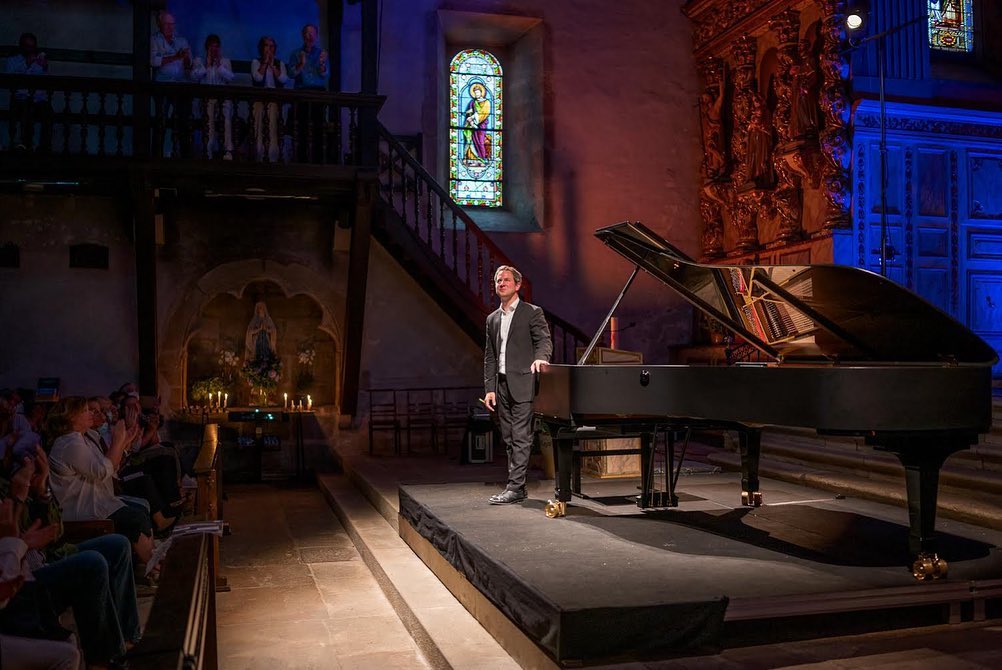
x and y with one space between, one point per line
518 345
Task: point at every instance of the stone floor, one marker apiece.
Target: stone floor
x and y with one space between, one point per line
301 596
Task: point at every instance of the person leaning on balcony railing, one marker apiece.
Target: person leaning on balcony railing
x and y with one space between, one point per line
267 72
309 72
216 70
28 108
171 59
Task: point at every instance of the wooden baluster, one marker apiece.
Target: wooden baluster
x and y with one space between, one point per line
489 280
441 230
480 272
353 135
310 129
417 202
119 123
389 165
102 121
466 253
429 217
66 122
403 190
84 127
455 246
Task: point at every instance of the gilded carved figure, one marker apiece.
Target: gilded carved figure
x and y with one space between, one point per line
804 120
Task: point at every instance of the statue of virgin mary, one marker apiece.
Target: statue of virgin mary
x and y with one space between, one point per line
260 340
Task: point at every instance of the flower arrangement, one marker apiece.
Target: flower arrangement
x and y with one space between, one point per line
304 374
204 389
229 364
307 355
264 373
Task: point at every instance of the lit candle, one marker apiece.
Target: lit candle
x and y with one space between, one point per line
285 400
309 402
226 400
219 398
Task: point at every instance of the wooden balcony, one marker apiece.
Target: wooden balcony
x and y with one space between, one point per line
85 132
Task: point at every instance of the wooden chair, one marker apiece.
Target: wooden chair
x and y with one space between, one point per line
421 416
383 417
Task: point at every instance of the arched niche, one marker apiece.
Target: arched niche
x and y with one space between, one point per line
194 324
308 354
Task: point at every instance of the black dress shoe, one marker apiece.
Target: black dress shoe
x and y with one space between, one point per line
507 497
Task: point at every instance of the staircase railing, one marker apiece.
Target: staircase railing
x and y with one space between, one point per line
428 210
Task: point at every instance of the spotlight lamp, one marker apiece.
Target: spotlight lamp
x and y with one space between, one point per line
856 15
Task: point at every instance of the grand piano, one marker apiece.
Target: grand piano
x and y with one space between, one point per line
842 350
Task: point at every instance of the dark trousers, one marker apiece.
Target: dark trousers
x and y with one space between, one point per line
515 419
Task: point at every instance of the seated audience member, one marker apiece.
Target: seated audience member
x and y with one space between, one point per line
171 59
156 459
19 650
22 435
95 577
83 478
216 70
309 72
131 485
267 72
29 107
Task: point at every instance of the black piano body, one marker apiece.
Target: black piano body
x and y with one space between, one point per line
846 352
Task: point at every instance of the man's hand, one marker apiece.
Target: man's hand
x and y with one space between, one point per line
490 401
40 480
39 536
538 365
21 481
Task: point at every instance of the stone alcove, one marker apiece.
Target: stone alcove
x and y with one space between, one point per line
222 325
215 309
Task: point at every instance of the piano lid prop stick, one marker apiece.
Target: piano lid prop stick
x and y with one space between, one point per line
605 321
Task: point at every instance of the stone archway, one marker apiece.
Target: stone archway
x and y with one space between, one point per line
184 317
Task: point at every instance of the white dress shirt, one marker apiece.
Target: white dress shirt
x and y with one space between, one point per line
506 317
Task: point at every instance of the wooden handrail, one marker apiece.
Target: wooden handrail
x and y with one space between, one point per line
410 189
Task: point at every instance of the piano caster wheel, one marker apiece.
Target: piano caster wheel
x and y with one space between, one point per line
751 499
929 566
555 508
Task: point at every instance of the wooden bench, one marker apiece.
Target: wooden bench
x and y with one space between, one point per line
208 471
181 629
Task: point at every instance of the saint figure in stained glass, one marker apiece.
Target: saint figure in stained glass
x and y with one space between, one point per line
478 142
951 25
475 110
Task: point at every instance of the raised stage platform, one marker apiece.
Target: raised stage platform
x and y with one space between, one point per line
610 582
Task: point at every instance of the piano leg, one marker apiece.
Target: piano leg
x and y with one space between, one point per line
562 485
922 460
750 446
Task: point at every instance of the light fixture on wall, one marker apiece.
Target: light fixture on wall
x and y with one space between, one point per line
857 19
856 15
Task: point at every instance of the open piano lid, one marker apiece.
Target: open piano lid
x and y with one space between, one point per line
806 312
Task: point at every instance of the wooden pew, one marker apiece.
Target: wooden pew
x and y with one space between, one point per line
181 630
209 494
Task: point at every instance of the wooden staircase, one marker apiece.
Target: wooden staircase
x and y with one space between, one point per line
439 244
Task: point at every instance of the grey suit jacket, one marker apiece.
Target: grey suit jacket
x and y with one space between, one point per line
528 340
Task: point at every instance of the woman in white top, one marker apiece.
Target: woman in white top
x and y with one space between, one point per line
216 70
267 72
83 479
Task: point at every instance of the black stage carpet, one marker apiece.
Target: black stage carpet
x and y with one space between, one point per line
608 580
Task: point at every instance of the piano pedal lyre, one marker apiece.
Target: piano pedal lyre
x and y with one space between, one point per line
751 499
555 508
929 566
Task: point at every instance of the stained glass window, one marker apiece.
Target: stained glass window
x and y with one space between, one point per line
951 25
475 129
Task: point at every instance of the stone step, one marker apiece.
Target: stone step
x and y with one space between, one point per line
972 506
445 631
